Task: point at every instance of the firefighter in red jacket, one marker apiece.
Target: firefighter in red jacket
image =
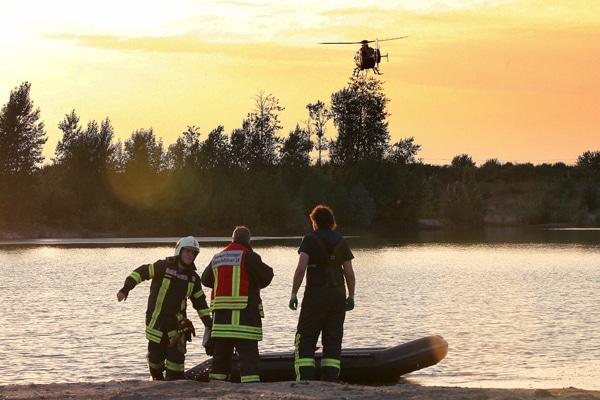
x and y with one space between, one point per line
174 280
236 276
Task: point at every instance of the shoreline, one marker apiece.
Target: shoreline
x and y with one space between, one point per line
188 389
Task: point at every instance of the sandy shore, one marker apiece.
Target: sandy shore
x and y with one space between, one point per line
142 390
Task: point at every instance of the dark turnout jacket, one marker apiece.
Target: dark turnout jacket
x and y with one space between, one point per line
169 290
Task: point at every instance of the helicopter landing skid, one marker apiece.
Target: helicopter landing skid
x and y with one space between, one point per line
376 71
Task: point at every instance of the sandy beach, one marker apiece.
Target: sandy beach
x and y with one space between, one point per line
188 389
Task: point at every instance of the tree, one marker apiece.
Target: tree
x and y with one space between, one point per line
589 159
87 151
462 161
144 154
463 203
215 151
319 115
185 151
259 130
362 205
404 151
295 151
83 159
141 184
359 113
22 137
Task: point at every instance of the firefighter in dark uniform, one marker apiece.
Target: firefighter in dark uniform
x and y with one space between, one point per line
236 276
326 260
174 280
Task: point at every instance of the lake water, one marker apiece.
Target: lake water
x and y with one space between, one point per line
517 311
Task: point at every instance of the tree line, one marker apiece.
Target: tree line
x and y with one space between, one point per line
205 184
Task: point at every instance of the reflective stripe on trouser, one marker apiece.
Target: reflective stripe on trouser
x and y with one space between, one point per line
330 369
250 378
322 313
158 353
219 377
305 369
248 354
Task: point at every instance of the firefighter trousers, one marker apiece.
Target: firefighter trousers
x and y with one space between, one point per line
249 359
161 356
323 312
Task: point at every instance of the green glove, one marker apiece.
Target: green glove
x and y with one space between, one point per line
293 302
350 303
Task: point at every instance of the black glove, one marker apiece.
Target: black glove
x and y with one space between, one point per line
350 303
207 321
208 342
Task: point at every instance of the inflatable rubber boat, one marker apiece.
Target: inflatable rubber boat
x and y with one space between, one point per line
363 366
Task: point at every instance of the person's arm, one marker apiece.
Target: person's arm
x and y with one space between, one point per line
300 272
350 278
260 273
350 282
138 275
208 279
298 278
199 302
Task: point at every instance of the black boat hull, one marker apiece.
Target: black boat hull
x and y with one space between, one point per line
363 366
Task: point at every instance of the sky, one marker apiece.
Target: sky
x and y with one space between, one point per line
516 81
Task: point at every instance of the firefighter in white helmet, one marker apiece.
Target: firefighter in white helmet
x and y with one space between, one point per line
173 281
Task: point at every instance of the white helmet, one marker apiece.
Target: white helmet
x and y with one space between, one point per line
188 242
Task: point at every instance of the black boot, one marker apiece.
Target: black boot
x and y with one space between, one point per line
174 375
330 374
157 374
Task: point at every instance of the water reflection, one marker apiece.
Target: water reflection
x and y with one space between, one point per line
517 314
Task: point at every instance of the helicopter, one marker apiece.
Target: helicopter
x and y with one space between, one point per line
367 57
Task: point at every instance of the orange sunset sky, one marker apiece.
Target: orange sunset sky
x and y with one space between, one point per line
514 80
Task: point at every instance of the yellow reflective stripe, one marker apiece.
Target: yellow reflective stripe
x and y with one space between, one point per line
330 362
205 312
303 363
240 328
175 367
237 331
261 310
153 335
136 277
237 335
198 294
219 377
159 365
160 298
151 270
236 278
250 378
229 302
296 344
215 284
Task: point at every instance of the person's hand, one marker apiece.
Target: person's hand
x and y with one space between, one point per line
121 296
350 303
208 342
293 302
207 321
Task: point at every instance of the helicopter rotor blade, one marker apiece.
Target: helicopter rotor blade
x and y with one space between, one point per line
366 41
396 38
369 41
